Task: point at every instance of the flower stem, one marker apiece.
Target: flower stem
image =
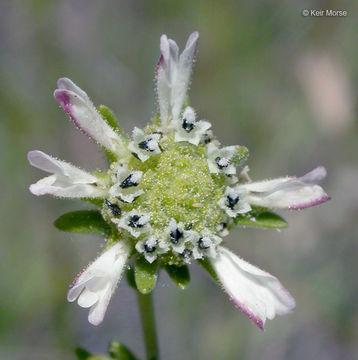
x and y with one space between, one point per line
148 325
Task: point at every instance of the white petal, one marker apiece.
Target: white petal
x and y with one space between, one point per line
43 187
173 74
98 310
95 284
49 164
77 104
68 84
290 192
87 298
255 292
184 70
66 181
314 176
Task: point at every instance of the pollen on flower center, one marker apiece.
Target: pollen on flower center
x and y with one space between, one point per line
176 185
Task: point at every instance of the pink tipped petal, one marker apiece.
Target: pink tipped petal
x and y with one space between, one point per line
95 284
315 202
255 292
288 193
67 84
67 180
76 103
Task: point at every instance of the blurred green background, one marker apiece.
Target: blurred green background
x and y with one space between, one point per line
282 84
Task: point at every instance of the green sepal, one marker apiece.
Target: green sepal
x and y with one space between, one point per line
206 264
265 219
145 275
179 274
108 115
83 221
120 352
82 354
241 155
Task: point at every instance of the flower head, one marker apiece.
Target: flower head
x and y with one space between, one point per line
171 193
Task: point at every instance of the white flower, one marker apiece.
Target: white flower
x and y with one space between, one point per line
188 129
234 201
78 105
134 222
151 247
289 192
173 74
94 286
255 292
143 145
127 185
177 236
219 159
66 180
205 245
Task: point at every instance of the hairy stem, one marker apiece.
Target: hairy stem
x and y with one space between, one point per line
146 310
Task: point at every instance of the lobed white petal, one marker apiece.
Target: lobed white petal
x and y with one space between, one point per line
67 180
255 292
94 285
173 75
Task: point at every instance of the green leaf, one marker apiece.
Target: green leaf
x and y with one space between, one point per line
82 354
120 352
265 219
179 274
83 221
108 115
206 264
145 275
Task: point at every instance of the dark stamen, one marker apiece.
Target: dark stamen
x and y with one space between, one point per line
144 145
187 126
186 253
231 202
150 248
127 182
202 245
175 236
116 211
221 162
207 138
134 222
